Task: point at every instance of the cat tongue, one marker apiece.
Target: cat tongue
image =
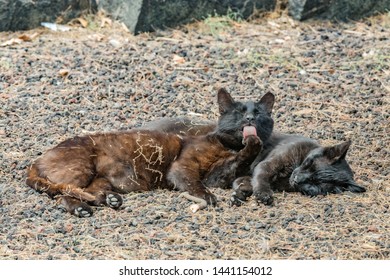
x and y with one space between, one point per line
249 130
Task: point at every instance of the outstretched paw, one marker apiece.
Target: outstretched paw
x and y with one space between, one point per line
210 199
242 190
235 200
114 200
83 211
265 197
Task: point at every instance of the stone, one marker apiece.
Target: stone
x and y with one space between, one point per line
27 14
336 9
151 15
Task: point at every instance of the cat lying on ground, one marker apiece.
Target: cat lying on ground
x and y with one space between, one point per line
289 163
96 169
297 164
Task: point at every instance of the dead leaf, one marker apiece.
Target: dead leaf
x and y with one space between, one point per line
64 72
124 27
28 37
83 22
177 59
306 111
373 228
105 21
97 37
368 246
68 227
10 42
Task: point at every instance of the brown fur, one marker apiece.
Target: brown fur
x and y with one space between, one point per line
95 169
207 163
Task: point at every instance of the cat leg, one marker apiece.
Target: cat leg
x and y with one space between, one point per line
101 192
261 183
187 180
226 170
74 206
245 157
242 190
104 193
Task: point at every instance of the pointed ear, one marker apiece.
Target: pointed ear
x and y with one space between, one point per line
225 101
268 101
337 152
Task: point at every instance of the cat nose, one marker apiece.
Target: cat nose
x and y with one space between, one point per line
250 117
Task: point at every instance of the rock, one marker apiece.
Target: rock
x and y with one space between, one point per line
27 14
149 15
337 9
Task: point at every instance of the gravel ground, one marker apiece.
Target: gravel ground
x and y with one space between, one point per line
331 81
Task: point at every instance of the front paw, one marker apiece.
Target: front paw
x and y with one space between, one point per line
265 197
210 199
242 190
207 196
113 200
237 199
252 140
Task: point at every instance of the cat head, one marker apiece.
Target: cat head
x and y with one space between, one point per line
325 170
235 115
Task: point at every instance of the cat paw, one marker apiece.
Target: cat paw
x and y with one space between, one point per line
265 198
114 200
235 200
252 140
83 211
242 190
210 199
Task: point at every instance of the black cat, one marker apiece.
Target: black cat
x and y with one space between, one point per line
218 158
294 163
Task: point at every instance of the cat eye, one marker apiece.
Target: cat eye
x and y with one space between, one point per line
240 109
307 163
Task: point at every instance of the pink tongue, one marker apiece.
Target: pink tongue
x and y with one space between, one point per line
249 130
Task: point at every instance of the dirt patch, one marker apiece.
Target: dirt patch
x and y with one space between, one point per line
331 81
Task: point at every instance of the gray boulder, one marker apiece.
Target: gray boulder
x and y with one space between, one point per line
27 14
336 9
150 15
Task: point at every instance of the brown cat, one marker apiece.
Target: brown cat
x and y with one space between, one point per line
95 169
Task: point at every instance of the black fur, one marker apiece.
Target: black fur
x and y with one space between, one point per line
297 164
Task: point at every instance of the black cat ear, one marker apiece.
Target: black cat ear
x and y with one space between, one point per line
268 101
337 152
225 101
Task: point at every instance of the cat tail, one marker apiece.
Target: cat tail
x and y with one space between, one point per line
353 187
42 184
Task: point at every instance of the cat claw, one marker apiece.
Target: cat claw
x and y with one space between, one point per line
114 200
82 212
235 201
264 198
